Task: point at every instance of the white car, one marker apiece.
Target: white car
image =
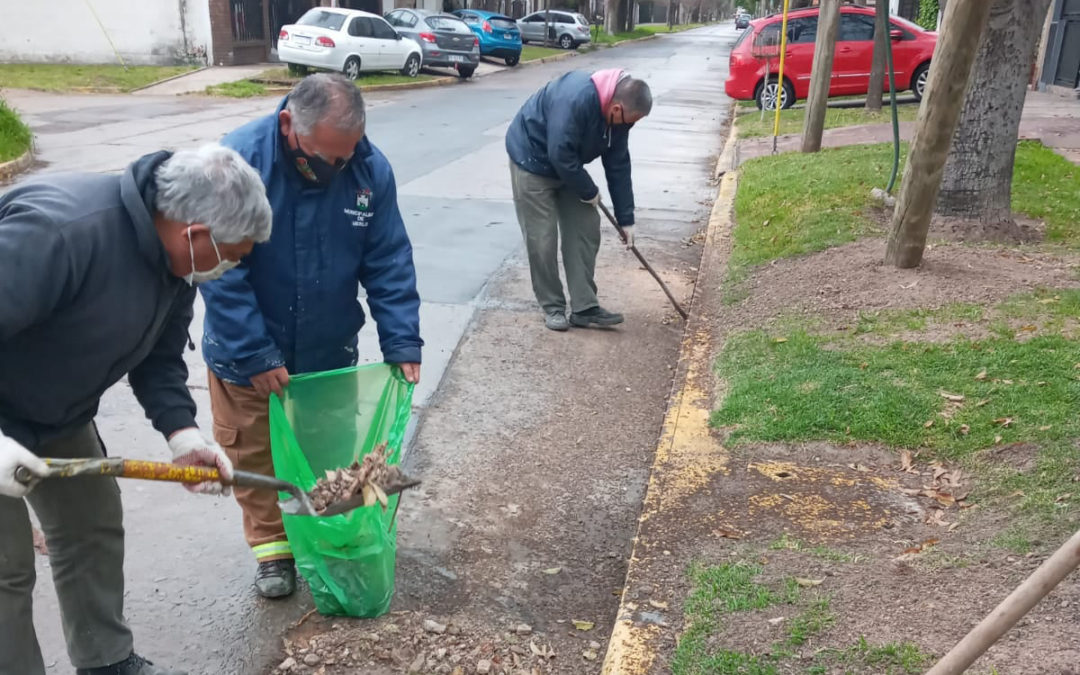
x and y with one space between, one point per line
348 41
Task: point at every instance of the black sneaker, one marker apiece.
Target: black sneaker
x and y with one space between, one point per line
276 578
132 665
595 316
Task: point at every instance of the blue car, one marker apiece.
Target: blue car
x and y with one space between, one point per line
499 35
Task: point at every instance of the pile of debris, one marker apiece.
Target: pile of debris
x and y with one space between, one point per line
371 477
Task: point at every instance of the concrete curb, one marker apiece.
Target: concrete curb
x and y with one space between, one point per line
685 447
167 79
9 170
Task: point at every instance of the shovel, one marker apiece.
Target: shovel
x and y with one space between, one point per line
297 505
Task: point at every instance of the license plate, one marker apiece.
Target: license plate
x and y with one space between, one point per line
457 59
302 39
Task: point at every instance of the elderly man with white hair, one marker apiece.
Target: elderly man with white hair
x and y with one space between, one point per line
97 276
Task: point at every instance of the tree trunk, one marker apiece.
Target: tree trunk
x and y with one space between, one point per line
877 64
978 173
821 75
938 115
611 9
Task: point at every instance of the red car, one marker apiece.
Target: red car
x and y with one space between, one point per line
755 57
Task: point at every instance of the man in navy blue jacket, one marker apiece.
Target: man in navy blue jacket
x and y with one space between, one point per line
291 306
561 128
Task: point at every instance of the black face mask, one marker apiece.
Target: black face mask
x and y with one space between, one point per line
315 170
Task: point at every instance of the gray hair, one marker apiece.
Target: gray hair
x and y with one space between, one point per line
326 97
213 185
634 96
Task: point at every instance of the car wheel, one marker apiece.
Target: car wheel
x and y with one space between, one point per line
412 66
512 60
566 42
766 96
351 69
919 80
465 73
297 70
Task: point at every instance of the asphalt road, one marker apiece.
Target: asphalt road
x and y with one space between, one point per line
189 595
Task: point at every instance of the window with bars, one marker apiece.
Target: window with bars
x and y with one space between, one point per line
247 20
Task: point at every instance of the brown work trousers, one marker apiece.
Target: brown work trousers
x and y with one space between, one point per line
242 428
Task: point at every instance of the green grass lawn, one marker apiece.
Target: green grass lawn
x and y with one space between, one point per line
752 124
74 78
261 84
797 203
532 52
721 591
15 137
641 32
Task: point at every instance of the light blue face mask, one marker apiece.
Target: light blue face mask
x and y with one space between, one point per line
195 277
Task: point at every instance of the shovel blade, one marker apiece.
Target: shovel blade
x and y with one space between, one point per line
294 507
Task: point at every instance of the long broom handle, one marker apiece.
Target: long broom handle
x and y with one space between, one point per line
1005 615
645 263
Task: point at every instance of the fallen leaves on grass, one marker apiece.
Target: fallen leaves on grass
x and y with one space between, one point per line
952 398
982 375
1004 422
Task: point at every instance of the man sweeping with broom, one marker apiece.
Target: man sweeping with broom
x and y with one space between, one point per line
561 128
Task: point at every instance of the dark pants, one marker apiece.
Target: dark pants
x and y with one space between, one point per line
548 210
83 524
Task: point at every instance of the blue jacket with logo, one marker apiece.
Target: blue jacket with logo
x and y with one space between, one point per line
561 128
293 301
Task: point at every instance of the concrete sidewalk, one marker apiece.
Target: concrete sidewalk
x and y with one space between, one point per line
196 82
1054 120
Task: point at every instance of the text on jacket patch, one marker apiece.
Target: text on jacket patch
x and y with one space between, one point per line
362 214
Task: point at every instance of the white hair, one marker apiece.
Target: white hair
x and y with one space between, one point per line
213 185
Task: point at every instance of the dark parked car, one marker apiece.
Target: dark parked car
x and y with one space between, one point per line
445 39
742 21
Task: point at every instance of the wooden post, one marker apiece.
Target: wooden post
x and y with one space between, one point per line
1005 615
965 23
821 75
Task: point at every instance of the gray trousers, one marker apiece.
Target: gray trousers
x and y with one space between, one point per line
546 210
83 525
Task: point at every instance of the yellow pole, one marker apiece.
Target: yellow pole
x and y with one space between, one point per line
102 26
780 76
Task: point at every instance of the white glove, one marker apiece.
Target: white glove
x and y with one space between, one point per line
12 456
190 448
595 201
628 230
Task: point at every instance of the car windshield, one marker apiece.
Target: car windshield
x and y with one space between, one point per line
742 38
447 23
322 19
900 22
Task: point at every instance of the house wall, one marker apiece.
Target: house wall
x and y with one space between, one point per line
147 32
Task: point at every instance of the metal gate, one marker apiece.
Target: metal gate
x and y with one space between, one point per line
1062 66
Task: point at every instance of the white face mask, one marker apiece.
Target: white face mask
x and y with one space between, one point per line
196 277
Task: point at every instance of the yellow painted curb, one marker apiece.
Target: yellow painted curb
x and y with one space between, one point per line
686 455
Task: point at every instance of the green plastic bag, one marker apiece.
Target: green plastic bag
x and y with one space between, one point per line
327 421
